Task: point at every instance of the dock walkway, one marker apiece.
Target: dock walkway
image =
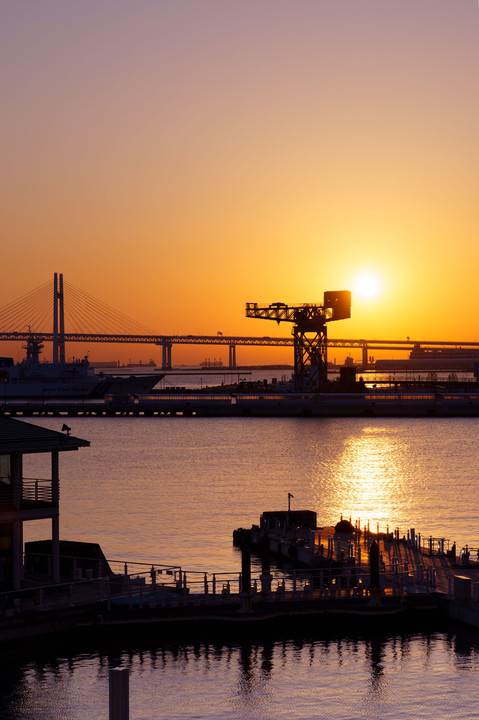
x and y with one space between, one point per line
413 557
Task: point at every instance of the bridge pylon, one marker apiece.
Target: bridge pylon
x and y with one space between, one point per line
58 320
166 355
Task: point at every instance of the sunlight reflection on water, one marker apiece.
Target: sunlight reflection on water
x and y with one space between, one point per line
369 474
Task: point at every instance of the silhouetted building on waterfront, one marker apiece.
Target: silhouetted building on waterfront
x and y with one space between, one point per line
24 498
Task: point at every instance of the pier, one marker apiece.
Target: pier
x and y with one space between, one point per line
333 579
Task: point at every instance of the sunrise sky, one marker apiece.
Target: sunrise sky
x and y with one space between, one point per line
179 159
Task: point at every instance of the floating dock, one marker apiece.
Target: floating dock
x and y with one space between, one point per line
332 579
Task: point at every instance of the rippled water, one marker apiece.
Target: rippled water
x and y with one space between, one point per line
392 677
171 490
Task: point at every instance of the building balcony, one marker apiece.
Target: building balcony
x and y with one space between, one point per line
34 492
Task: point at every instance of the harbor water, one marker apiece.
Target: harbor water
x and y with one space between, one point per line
171 490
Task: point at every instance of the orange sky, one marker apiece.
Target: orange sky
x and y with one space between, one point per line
179 159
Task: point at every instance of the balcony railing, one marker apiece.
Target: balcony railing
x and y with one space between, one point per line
37 490
32 490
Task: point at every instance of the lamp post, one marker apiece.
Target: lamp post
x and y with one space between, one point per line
289 501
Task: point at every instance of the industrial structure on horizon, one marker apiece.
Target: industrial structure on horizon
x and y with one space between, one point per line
308 334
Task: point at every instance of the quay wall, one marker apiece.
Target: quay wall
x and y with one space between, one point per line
372 404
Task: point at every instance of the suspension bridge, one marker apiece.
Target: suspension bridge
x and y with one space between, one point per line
87 319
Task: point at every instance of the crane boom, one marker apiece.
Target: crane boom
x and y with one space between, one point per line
309 333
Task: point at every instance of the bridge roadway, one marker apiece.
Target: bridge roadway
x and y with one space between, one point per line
167 342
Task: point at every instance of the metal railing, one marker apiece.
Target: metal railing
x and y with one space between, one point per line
116 583
137 590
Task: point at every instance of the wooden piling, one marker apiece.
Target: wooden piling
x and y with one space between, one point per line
119 694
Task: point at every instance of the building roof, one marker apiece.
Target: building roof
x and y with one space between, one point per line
19 436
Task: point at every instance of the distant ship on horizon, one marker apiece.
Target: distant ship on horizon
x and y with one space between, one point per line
425 358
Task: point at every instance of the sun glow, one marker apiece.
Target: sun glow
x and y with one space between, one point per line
367 286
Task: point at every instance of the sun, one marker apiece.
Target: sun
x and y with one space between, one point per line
367 286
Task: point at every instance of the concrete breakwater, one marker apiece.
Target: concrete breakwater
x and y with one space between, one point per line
374 403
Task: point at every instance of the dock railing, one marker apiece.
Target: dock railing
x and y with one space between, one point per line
115 583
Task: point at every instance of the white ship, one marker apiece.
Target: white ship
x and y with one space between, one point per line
33 378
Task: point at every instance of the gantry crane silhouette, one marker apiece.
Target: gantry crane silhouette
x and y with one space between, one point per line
309 334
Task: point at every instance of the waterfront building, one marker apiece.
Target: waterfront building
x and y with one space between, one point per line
24 499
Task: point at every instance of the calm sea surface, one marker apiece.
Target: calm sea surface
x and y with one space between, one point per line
171 490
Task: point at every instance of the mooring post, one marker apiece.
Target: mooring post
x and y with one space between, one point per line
119 694
374 586
266 577
245 594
